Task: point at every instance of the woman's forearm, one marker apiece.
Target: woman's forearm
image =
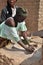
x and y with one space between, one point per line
22 44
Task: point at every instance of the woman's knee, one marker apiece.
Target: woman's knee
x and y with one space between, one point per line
24 34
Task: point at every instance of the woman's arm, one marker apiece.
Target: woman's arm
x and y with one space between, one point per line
3 15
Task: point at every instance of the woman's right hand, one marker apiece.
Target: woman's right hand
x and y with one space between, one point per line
30 49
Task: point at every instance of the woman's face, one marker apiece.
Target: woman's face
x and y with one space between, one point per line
12 2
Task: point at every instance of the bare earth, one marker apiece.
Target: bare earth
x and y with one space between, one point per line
21 57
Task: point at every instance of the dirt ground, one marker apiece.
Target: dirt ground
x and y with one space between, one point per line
21 57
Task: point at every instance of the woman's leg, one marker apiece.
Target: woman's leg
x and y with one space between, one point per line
3 42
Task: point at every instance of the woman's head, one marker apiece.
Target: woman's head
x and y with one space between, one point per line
11 2
10 22
21 14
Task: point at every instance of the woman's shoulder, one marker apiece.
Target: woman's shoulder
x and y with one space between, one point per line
4 9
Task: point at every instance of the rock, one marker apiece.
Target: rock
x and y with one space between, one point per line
4 60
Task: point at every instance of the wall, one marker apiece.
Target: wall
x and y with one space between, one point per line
40 23
2 4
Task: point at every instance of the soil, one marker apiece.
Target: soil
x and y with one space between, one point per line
4 60
18 56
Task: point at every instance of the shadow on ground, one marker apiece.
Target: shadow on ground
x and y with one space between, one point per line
17 49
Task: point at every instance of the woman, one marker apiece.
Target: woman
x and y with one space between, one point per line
7 13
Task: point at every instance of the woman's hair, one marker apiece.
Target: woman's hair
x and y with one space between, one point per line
9 8
21 14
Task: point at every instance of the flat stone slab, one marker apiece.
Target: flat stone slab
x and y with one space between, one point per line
38 33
